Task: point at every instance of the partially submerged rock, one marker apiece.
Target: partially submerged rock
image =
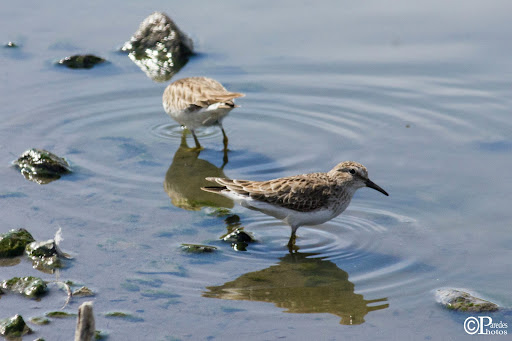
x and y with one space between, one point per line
159 47
14 327
125 316
39 320
60 314
197 248
81 61
29 286
41 166
83 292
458 300
13 243
46 255
239 239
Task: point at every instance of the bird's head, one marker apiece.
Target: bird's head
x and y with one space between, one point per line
355 175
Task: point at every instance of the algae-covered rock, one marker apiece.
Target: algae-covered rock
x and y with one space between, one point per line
39 320
29 286
81 61
41 166
197 248
125 316
458 300
13 243
13 327
59 314
159 47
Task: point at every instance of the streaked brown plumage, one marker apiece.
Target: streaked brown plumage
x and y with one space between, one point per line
198 101
307 199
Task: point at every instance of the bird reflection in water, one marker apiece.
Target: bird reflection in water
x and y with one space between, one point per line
185 177
301 284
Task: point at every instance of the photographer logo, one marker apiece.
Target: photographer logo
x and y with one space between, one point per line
483 325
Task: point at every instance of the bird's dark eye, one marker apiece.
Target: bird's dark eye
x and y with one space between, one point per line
352 171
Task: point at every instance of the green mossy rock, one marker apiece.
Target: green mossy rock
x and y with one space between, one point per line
13 327
40 320
13 243
125 316
458 300
28 286
85 61
41 166
60 314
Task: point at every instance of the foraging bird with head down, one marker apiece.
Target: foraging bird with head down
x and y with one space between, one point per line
307 199
199 102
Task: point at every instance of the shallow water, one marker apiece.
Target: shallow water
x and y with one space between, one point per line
420 94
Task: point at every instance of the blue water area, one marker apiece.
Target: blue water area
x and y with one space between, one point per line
417 92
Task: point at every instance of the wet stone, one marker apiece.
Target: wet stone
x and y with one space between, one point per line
13 243
458 300
60 314
238 236
159 47
125 316
13 327
29 286
40 320
239 239
41 166
197 248
44 255
83 292
85 61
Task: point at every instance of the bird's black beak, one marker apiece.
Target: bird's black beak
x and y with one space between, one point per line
371 184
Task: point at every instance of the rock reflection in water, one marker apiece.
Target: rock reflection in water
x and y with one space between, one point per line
185 177
301 284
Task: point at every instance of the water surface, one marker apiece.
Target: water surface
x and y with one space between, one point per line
418 93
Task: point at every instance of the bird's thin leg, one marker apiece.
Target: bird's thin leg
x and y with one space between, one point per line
198 145
225 141
291 243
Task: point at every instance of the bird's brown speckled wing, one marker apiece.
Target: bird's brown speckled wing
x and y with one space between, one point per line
198 92
301 193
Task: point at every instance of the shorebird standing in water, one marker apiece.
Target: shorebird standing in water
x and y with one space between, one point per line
307 199
199 102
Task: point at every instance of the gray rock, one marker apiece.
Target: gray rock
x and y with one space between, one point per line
159 47
41 166
458 300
